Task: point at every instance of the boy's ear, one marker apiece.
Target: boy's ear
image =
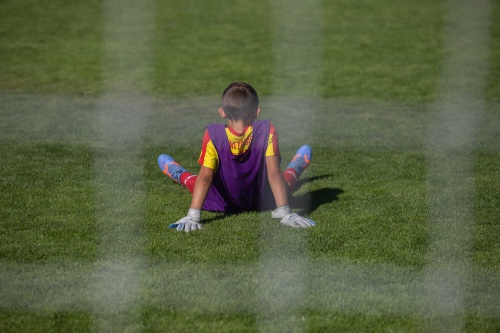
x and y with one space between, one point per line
222 113
257 114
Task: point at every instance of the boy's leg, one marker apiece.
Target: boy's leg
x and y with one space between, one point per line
298 164
172 169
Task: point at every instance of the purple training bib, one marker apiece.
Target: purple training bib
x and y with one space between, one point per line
240 182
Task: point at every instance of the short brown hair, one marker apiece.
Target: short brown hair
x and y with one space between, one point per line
240 101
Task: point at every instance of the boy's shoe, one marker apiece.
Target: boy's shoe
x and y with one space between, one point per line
301 159
170 167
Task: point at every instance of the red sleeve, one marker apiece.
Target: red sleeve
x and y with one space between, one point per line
273 145
205 141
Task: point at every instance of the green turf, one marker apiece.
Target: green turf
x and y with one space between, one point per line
87 103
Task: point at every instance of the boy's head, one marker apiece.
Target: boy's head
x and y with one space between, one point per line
240 101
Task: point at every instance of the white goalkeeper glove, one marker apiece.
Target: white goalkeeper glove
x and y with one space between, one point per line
189 223
291 219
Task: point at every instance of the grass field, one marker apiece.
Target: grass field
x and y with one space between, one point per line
399 100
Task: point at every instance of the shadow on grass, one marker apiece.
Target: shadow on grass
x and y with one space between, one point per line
307 202
310 201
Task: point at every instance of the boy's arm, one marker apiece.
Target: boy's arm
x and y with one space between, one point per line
276 181
201 187
192 221
279 188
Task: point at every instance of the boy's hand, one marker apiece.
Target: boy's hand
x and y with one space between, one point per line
280 212
297 221
291 219
189 223
186 224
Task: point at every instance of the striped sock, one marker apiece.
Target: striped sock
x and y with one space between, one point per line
187 179
290 176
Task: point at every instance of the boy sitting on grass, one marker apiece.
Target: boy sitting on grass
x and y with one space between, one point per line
240 165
